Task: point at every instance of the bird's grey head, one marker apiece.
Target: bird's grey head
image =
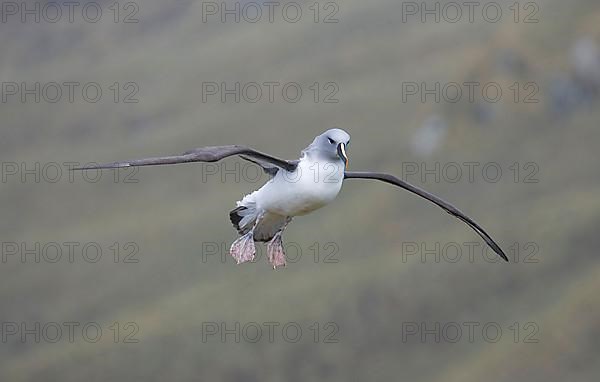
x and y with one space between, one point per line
331 145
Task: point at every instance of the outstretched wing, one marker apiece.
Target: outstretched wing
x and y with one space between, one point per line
449 208
202 154
267 167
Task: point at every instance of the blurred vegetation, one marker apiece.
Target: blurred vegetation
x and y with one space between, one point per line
171 213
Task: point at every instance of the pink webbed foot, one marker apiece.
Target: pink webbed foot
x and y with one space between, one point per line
243 250
275 253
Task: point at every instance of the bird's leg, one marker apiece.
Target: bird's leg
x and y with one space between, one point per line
275 252
243 248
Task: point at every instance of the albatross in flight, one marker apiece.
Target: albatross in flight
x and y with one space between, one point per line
297 187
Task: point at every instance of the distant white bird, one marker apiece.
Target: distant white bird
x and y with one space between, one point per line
297 188
585 58
430 136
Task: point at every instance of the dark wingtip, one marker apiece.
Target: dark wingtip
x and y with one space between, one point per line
496 248
499 251
106 166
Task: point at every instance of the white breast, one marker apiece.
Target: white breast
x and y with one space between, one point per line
314 184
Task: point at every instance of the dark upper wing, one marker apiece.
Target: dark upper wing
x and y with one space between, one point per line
267 167
202 154
432 198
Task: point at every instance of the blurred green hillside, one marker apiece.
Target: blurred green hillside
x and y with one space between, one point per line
175 214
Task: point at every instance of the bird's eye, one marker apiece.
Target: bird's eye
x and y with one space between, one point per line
331 141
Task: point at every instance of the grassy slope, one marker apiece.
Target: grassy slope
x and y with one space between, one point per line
370 291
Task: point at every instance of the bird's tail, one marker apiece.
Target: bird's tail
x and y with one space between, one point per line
243 217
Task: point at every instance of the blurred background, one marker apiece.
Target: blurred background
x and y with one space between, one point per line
138 262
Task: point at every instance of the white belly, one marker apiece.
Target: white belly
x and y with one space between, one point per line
313 185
